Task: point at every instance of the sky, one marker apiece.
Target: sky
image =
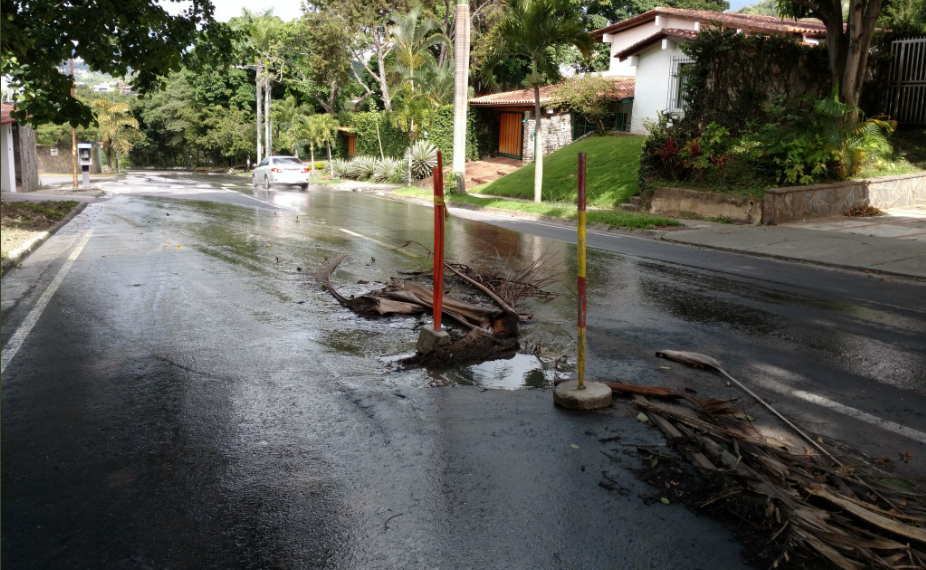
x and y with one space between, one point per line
227 9
291 9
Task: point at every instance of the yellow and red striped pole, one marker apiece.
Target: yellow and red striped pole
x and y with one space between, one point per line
580 249
438 300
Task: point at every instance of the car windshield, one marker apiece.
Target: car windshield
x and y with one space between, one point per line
287 161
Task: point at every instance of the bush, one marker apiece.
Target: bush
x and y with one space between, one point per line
361 167
389 170
480 141
339 168
424 159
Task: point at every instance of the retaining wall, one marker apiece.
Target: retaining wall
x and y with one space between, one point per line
817 201
795 203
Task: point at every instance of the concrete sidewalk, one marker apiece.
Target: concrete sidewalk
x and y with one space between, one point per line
892 244
52 194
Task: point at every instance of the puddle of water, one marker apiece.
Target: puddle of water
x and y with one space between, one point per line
519 371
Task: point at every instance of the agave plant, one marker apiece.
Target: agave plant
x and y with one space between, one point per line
397 173
386 168
361 168
423 158
339 168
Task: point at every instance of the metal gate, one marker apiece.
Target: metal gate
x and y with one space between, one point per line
907 81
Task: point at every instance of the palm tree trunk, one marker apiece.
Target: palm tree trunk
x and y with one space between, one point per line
312 156
260 97
538 148
460 93
411 141
330 165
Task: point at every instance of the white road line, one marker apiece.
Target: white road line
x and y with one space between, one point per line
290 208
12 347
376 241
860 415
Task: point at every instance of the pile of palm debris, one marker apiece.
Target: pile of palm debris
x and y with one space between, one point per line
813 506
863 212
492 331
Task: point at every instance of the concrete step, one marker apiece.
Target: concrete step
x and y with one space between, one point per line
635 200
630 207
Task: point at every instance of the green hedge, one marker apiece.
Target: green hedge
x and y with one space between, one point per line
479 134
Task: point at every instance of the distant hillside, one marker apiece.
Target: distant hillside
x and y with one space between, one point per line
763 8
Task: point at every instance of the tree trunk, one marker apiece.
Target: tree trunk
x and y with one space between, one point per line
267 121
863 17
330 165
538 148
116 158
260 118
312 158
383 85
411 141
460 94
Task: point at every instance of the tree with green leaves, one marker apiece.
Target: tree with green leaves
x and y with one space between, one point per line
38 36
534 29
117 129
848 39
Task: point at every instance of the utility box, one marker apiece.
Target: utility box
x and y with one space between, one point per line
85 159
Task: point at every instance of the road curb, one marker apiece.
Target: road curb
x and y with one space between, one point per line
19 254
659 235
565 222
852 268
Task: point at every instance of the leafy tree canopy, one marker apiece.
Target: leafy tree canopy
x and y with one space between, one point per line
137 36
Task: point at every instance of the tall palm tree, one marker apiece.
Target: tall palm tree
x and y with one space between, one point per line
534 29
413 38
460 92
327 129
260 32
118 129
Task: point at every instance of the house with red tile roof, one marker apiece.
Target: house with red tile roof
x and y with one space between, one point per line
514 113
647 48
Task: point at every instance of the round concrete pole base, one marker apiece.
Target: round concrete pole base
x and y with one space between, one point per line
595 395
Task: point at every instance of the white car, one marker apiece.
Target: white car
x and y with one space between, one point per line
281 170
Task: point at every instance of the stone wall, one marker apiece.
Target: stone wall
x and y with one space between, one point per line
796 203
816 201
556 129
680 201
61 163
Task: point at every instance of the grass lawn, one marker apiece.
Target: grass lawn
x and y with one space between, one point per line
614 218
22 221
612 164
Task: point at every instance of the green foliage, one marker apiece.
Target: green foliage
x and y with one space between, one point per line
361 168
904 16
364 125
763 8
339 168
390 170
534 30
36 36
734 76
118 130
612 164
587 95
423 156
804 141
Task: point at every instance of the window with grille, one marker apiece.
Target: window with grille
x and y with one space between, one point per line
677 80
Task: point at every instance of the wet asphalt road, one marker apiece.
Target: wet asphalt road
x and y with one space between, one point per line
209 406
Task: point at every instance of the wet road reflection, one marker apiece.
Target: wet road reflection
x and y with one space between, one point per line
212 406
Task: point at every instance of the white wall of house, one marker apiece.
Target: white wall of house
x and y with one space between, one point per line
651 94
7 168
624 39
